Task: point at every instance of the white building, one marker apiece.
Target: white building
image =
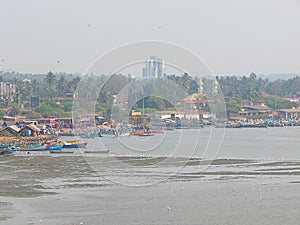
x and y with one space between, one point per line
7 91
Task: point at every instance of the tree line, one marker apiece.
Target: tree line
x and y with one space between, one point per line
104 90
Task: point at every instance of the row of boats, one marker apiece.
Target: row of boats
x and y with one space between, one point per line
263 124
52 146
141 133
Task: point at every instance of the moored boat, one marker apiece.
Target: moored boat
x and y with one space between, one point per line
7 151
97 151
32 148
254 125
146 134
155 132
50 143
53 147
107 135
136 133
69 134
61 152
74 144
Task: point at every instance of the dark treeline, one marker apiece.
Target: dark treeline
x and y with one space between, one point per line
251 87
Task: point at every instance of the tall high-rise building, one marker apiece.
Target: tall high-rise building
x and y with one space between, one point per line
154 68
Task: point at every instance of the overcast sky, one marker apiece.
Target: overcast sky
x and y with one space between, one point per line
231 36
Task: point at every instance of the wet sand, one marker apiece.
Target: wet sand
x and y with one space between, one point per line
66 190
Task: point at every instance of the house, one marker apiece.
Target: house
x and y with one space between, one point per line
292 99
255 110
11 120
30 130
261 103
12 130
289 113
189 115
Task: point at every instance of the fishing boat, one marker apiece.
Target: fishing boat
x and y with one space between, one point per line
7 151
61 152
31 148
3 146
110 135
146 134
53 147
97 151
137 133
255 125
50 143
68 134
74 144
154 132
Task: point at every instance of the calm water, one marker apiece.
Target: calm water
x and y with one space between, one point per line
204 176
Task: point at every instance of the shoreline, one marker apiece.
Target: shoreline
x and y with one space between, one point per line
10 140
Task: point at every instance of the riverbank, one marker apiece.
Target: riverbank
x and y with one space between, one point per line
11 140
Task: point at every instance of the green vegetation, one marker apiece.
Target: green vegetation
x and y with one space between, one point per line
2 113
51 109
107 95
15 109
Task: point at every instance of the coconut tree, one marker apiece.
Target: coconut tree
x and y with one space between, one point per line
50 81
62 84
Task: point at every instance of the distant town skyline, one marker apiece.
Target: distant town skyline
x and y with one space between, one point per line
233 37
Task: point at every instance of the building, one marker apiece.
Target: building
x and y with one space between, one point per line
292 99
289 113
8 91
12 130
154 68
11 120
30 130
255 110
48 121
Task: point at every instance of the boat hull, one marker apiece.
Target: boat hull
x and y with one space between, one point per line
61 152
53 147
7 151
40 148
96 151
79 145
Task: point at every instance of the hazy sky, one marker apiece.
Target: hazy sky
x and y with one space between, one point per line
231 36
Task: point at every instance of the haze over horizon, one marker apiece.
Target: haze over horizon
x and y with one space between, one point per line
232 37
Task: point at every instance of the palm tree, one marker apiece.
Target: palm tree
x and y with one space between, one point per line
62 84
73 84
35 87
50 80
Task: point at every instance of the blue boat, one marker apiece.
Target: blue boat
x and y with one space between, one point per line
53 147
7 151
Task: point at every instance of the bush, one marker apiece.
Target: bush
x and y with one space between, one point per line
34 115
2 113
